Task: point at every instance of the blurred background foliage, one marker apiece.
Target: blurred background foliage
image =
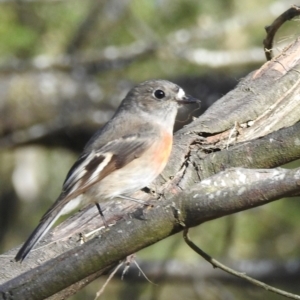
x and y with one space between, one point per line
64 68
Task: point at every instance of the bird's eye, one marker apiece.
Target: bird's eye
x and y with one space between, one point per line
159 94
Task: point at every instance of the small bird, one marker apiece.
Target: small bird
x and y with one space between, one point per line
125 155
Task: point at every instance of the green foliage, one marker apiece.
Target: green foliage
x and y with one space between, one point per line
15 38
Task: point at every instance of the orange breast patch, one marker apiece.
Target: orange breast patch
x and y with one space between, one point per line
162 151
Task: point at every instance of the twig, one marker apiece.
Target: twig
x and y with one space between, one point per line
99 293
142 272
217 264
128 260
274 27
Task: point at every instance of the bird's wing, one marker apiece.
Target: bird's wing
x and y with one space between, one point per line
94 166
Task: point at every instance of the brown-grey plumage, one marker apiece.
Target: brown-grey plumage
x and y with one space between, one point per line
122 157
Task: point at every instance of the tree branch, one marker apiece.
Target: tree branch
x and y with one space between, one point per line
217 264
206 201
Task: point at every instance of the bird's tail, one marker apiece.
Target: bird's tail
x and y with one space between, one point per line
45 224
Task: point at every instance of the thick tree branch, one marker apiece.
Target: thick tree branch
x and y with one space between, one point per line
209 199
273 150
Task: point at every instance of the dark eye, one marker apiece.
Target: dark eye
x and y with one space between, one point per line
159 94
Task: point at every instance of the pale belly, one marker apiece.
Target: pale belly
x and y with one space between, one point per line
137 174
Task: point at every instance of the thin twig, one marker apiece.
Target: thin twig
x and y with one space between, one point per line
129 259
274 27
217 264
143 273
99 293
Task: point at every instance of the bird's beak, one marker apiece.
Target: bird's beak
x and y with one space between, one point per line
182 98
187 99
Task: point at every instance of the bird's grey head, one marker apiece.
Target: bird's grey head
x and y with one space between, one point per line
157 95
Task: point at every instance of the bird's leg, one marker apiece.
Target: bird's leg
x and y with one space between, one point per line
83 237
101 214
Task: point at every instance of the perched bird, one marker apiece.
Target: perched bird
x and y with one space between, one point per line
126 155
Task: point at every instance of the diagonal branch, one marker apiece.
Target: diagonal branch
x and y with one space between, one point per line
205 201
217 264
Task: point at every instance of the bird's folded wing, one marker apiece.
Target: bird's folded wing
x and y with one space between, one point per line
91 167
97 164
